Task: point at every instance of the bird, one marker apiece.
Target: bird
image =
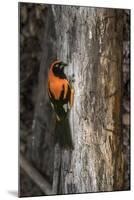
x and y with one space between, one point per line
60 90
61 95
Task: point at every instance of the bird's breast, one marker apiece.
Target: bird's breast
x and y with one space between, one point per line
57 85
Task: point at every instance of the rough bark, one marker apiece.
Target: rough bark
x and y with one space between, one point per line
90 41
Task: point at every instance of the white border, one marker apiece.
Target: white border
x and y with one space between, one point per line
9 97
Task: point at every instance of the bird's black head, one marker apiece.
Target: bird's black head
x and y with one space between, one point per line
58 69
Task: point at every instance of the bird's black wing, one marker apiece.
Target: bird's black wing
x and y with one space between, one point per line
62 105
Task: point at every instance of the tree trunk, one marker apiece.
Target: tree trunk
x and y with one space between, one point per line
96 45
90 41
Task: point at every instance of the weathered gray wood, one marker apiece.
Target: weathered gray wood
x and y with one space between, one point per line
57 166
90 41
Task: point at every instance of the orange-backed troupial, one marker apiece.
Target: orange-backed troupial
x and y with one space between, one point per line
61 94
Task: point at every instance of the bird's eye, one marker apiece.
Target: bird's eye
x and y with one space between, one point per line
56 65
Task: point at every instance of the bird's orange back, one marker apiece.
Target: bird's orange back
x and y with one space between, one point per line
60 91
55 83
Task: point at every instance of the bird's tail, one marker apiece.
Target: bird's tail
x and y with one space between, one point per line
63 134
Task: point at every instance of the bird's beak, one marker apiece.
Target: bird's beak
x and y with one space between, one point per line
62 65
